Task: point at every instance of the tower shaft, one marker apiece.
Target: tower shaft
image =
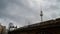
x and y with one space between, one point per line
41 16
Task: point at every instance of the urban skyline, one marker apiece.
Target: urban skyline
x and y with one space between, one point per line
20 12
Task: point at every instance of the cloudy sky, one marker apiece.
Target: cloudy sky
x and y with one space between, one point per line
23 12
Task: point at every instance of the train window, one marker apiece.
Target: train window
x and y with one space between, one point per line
43 33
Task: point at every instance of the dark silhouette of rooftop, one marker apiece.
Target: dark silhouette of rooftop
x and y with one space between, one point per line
41 25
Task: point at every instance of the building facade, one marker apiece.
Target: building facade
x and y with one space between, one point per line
46 27
3 29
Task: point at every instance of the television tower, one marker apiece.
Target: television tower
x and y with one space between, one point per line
41 14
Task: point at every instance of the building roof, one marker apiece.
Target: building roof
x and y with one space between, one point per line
41 25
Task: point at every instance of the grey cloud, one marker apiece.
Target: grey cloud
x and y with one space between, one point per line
24 11
3 4
17 18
